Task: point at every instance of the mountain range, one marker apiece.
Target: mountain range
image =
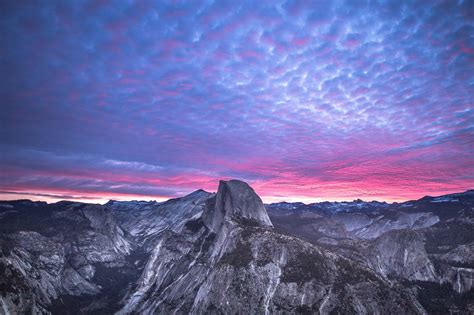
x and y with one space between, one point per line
227 252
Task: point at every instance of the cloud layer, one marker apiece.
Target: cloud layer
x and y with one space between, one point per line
330 100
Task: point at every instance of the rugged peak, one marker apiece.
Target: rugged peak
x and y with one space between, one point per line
198 193
235 201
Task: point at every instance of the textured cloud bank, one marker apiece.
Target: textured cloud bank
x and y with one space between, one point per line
331 100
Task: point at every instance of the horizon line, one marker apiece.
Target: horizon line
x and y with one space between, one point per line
51 198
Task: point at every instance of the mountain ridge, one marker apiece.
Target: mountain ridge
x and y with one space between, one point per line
426 197
180 255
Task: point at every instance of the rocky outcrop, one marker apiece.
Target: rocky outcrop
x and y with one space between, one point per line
235 201
55 257
60 251
426 241
335 222
395 221
401 253
233 249
145 221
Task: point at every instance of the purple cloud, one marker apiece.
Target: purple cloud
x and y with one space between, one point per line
315 100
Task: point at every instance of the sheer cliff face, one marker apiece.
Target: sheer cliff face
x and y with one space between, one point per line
235 201
220 253
233 249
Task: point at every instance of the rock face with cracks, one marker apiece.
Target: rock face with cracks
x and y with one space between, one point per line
237 201
233 249
221 253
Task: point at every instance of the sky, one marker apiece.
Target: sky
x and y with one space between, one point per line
306 101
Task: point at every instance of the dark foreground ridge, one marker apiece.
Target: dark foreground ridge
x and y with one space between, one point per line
224 253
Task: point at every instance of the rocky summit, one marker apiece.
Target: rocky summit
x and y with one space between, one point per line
227 252
235 201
